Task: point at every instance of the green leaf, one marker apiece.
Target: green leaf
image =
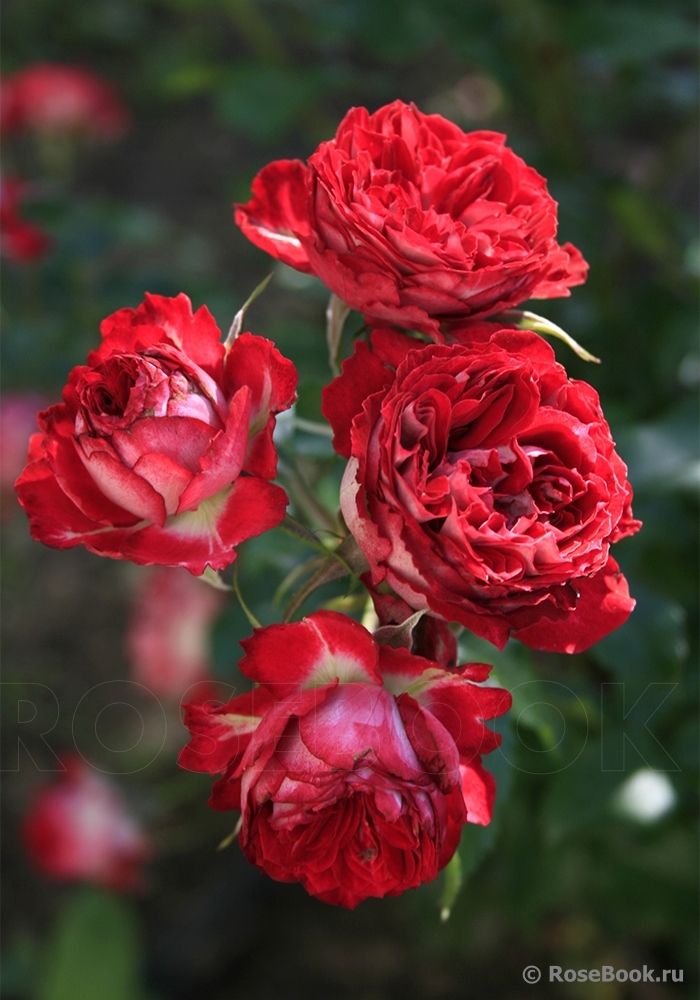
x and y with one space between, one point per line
94 951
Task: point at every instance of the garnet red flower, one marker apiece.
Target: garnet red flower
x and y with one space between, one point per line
355 765
20 240
411 221
483 484
168 636
162 449
52 98
79 828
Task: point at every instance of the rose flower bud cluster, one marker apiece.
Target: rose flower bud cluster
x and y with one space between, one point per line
483 484
482 491
410 220
162 449
79 828
355 765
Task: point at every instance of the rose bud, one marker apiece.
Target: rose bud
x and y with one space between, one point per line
168 635
20 240
79 828
162 449
355 765
483 485
52 99
412 221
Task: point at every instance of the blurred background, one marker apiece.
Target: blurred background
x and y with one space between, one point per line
592 855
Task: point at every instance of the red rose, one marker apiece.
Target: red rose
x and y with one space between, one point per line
51 98
80 829
20 240
483 484
355 765
169 628
162 448
411 221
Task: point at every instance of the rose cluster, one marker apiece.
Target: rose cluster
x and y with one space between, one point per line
482 491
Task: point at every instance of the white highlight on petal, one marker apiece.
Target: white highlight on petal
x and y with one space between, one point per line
279 237
646 796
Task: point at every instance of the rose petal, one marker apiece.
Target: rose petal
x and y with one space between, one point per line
310 653
603 605
275 219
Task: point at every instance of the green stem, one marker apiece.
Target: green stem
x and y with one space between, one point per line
230 837
246 610
303 495
237 324
346 560
313 427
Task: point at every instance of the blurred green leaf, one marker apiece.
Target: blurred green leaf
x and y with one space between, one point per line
20 962
194 78
645 224
264 102
579 795
632 32
94 952
663 456
651 643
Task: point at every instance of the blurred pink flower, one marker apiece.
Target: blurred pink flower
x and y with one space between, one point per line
18 412
79 828
168 635
20 240
50 98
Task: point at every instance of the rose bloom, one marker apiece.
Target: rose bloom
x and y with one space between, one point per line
355 765
483 484
168 635
162 449
79 828
21 241
412 221
50 98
